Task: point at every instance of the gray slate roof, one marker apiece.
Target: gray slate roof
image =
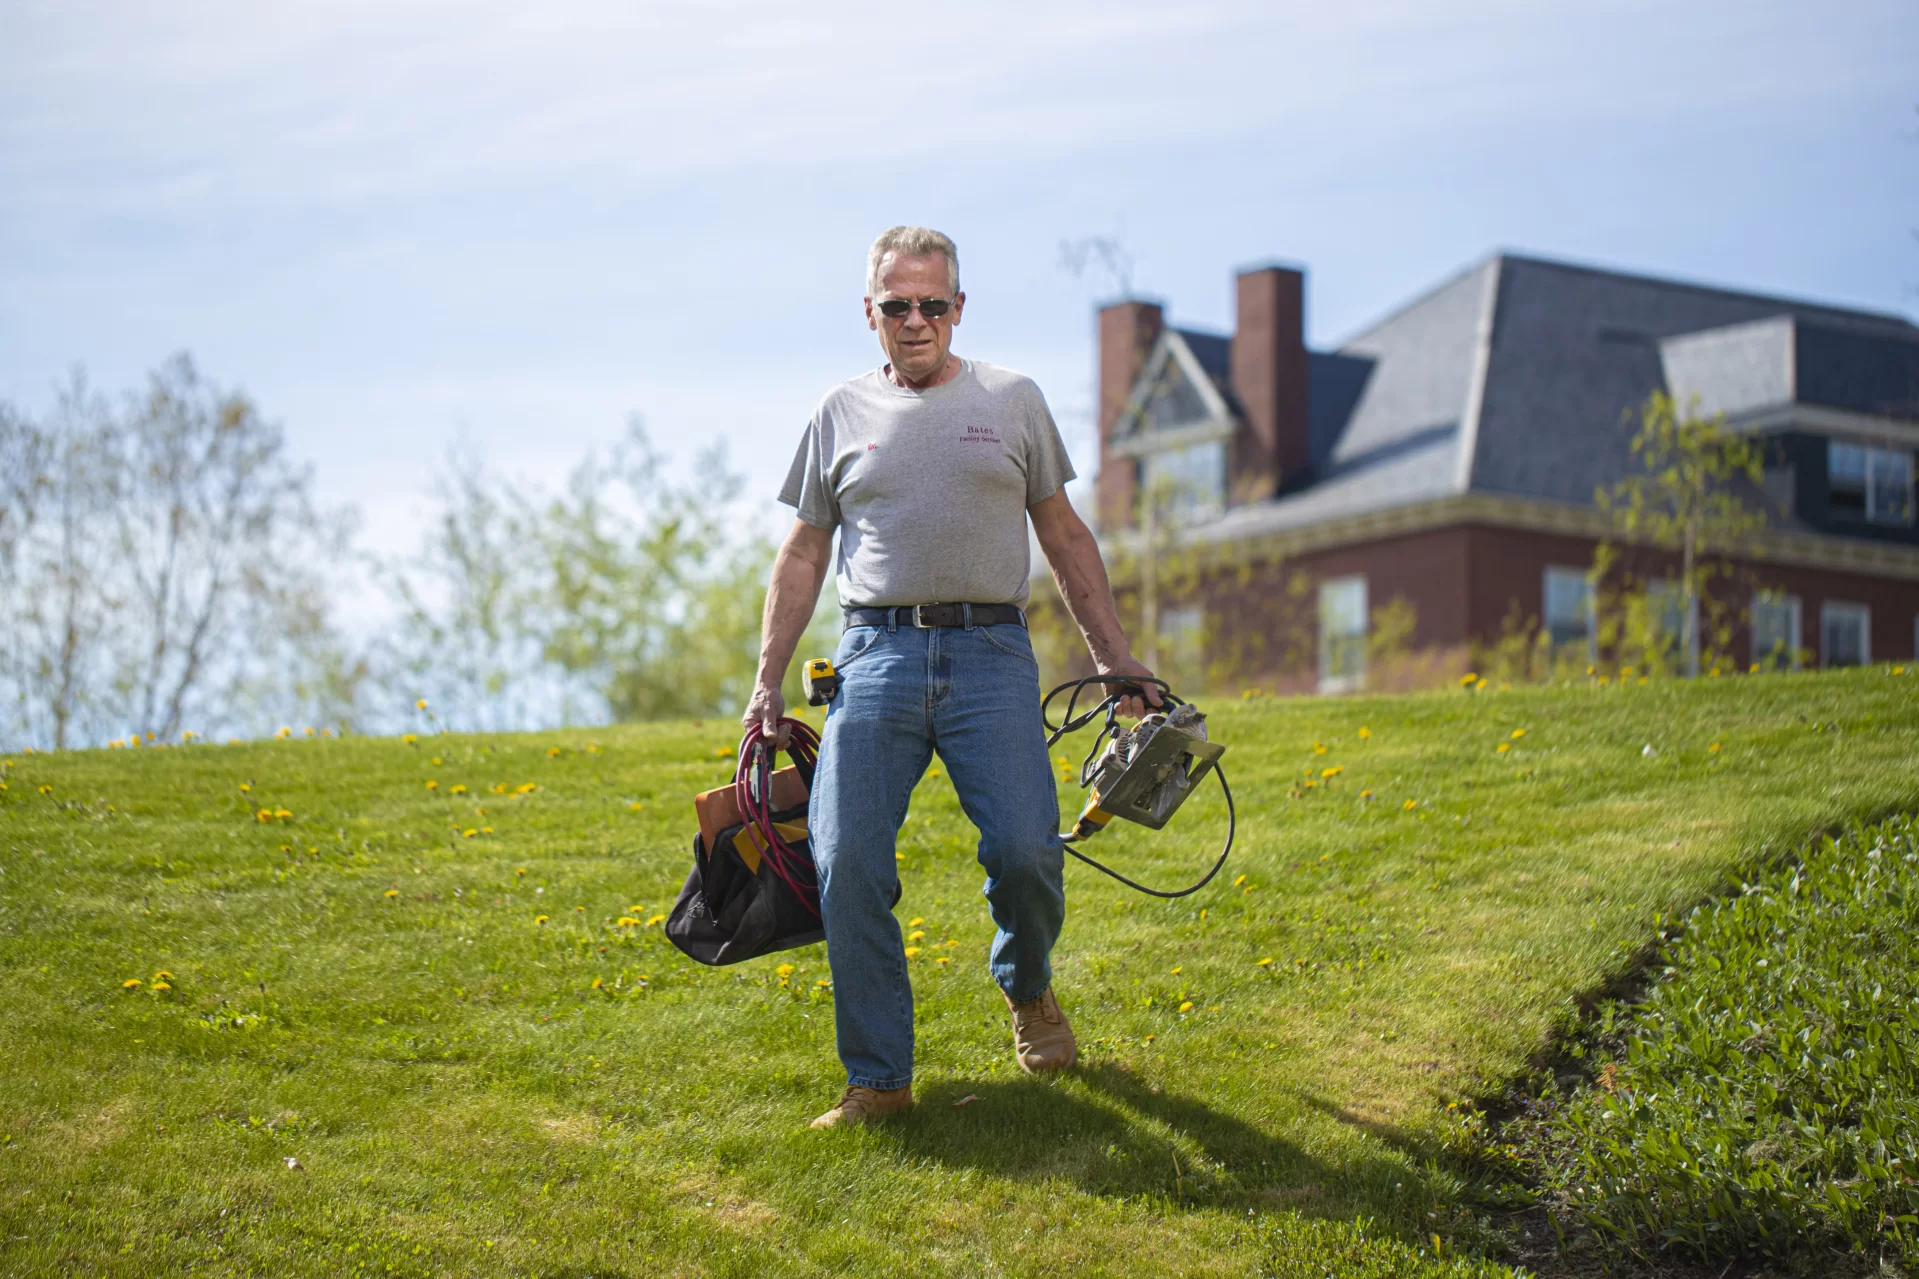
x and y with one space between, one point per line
1518 377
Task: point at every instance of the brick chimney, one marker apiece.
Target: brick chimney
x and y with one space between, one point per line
1269 376
1127 331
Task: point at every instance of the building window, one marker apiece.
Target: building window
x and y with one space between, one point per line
1666 615
1775 631
1872 483
1569 610
1342 634
1845 634
1182 640
1187 484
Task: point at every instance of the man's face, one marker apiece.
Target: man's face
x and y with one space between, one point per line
914 345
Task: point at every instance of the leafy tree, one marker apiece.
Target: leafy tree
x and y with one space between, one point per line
626 595
164 565
1691 497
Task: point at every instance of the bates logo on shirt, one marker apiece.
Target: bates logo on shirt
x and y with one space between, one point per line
979 435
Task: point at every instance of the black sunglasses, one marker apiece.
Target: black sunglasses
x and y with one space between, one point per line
896 308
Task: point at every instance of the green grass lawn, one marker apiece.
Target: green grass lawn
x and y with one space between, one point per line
366 990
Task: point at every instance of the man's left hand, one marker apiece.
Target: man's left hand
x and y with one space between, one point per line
1133 707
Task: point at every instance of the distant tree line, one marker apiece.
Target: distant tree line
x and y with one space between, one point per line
166 569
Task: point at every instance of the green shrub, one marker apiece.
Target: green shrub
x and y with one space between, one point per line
1767 1097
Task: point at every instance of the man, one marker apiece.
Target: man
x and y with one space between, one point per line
928 468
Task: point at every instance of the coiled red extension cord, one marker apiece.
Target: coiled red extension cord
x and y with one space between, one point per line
753 792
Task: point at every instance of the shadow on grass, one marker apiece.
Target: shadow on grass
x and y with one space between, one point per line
1110 1133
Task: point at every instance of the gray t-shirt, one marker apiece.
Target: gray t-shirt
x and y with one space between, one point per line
929 489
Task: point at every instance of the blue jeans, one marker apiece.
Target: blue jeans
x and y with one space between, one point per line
972 696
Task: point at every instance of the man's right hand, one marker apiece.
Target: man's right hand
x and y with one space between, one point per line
765 709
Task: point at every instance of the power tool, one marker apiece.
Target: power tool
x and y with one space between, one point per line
1145 772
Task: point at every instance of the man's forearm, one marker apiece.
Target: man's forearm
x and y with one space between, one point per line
791 594
1080 575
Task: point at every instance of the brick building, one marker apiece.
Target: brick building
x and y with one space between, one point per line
1444 461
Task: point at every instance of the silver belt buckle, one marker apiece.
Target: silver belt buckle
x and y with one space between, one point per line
919 611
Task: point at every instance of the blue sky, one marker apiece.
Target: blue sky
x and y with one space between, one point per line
398 224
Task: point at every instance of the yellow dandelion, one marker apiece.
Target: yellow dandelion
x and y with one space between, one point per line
435 761
1364 732
1518 733
1502 748
132 983
526 788
915 921
636 910
552 752
1468 679
1365 794
1898 670
307 731
912 951
1714 748
456 789
420 705
1479 684
1151 1038
1411 804
409 738
655 919
1754 669
1318 749
263 816
918 934
1239 881
46 790
1605 679
1713 673
392 892
635 807
282 814
468 833
539 919
433 785
943 959
163 975
245 788
1625 670
899 857
784 970
1591 669
598 982
486 830
159 985
1177 971
1186 1005
1266 963
626 921
284 732
580 910
1334 771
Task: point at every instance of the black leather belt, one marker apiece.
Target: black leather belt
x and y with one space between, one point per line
925 615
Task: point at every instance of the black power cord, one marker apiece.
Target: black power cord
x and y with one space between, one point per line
1127 686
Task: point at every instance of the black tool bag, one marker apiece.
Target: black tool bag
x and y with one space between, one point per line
753 889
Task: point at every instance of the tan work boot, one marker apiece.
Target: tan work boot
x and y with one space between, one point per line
863 1105
1041 1038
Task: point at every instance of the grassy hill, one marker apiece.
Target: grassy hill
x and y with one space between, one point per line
369 1006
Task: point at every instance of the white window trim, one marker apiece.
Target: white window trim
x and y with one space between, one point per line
1330 683
1863 611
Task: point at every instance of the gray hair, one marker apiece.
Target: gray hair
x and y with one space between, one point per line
910 242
